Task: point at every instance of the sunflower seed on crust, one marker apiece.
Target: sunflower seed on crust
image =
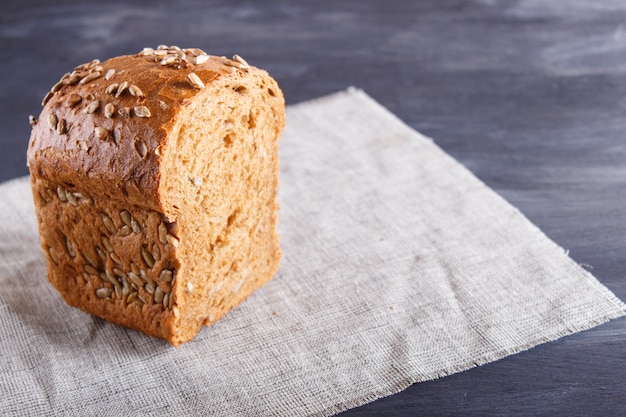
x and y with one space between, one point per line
120 90
73 100
194 81
162 233
201 59
52 121
90 77
46 98
242 61
111 88
61 127
135 91
104 292
91 270
142 111
109 110
53 255
101 133
92 107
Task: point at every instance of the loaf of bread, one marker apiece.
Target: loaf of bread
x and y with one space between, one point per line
154 178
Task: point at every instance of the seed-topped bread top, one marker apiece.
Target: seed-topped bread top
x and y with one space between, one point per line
109 119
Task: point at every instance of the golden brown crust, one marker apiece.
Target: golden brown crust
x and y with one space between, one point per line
122 233
118 155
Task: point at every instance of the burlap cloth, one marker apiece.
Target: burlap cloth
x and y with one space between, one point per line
399 266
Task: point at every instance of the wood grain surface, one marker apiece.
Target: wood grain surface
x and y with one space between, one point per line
528 94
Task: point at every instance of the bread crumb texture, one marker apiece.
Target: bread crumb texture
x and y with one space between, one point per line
154 178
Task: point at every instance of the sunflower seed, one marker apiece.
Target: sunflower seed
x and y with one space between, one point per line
61 127
160 52
53 255
126 217
114 280
149 288
101 133
125 231
147 256
70 248
118 291
110 73
46 98
61 193
144 275
74 78
156 252
194 81
131 297
107 244
172 240
97 68
162 233
241 61
166 300
124 112
90 270
158 295
89 259
73 100
32 120
90 77
92 107
194 51
134 224
109 110
135 279
101 254
52 121
80 196
141 148
71 198
104 292
115 258
142 111
112 88
170 59
108 223
119 273
83 145
201 59
166 275
146 51
104 277
57 86
135 91
123 86
143 300
170 301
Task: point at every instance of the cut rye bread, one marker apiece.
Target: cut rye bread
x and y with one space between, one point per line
154 178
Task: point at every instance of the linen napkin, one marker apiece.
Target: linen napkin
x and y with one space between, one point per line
399 266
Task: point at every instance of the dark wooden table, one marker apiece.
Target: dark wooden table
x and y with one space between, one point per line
530 95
